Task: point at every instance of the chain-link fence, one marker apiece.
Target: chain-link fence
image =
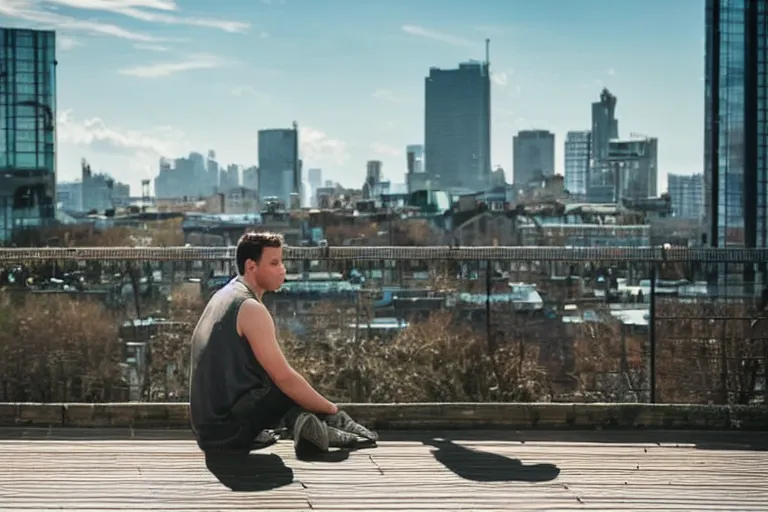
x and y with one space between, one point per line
400 324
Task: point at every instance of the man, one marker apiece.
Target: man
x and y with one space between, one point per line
240 383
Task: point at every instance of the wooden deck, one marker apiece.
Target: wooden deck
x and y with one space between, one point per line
152 470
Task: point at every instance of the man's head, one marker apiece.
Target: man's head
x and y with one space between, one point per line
260 260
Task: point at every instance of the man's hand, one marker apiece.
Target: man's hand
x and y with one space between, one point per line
342 421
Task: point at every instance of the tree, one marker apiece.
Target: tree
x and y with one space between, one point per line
437 359
54 348
169 347
710 352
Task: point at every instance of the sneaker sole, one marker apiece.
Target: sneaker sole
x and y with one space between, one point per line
309 429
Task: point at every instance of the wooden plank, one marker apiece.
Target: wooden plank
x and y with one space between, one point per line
165 474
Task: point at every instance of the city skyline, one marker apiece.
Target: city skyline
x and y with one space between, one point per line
128 74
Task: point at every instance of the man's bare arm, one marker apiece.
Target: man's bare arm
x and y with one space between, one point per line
256 324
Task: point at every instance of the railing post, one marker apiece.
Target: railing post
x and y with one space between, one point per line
488 339
652 337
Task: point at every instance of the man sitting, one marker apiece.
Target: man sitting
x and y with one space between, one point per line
241 384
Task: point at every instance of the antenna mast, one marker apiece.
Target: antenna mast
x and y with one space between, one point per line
488 52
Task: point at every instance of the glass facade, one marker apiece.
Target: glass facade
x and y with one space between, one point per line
577 151
735 123
27 129
278 154
457 127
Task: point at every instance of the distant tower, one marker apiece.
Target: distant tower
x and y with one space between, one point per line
145 190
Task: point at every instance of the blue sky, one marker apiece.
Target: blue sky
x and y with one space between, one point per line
140 79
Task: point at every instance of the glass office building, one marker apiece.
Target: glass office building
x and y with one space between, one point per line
457 127
736 125
27 129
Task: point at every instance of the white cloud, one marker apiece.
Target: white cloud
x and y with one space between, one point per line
317 147
66 43
33 12
416 30
246 91
46 13
386 150
160 5
610 72
500 78
162 69
387 95
95 133
151 47
151 11
137 151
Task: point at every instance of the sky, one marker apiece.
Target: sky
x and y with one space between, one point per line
141 79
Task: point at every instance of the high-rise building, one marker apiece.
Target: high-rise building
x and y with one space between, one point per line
736 123
27 129
634 165
251 178
686 193
373 177
314 182
578 147
212 172
533 156
279 164
415 177
414 158
605 127
457 126
315 178
373 172
188 177
229 178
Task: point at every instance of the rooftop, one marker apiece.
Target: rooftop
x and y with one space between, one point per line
121 469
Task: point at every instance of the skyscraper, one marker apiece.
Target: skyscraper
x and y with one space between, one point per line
601 182
314 182
736 124
415 177
533 156
457 126
27 125
686 193
577 151
279 166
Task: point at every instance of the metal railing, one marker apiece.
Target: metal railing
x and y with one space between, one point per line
575 254
649 324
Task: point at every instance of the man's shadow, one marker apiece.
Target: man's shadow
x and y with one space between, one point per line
488 467
248 472
255 472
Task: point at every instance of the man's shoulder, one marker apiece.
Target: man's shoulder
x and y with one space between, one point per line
251 305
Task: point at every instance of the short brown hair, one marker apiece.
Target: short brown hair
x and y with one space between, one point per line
252 244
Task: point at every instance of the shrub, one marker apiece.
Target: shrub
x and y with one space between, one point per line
434 360
54 348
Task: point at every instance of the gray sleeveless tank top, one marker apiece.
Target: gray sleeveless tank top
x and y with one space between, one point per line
223 367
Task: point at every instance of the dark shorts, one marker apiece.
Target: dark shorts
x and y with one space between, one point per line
254 412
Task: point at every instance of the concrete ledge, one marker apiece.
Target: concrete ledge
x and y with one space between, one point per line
417 416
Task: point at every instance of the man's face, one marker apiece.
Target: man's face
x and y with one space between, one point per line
269 272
